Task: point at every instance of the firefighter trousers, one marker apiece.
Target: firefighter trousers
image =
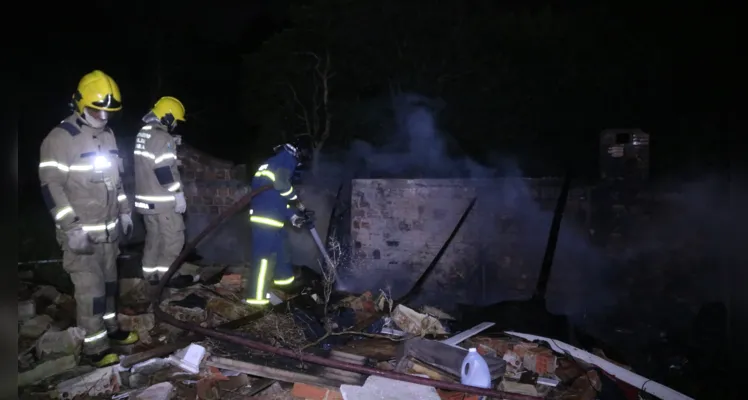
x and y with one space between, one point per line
271 262
164 240
94 278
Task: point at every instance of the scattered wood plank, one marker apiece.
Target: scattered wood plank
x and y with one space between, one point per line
160 351
282 374
374 348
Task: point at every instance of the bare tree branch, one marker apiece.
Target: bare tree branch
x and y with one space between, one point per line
304 117
317 118
325 76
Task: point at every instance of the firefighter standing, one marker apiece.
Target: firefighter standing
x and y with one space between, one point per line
158 189
80 181
271 258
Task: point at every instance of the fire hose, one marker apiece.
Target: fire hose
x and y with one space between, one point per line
304 357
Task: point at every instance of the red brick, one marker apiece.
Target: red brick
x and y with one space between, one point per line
239 172
310 392
540 360
496 344
190 190
447 395
209 175
522 348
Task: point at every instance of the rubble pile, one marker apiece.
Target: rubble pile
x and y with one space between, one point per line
368 330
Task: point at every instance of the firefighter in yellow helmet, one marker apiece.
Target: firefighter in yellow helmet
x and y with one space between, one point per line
79 171
158 187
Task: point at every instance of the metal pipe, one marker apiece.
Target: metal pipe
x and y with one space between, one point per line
163 316
50 261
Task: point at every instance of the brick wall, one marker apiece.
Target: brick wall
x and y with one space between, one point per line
211 185
663 251
398 226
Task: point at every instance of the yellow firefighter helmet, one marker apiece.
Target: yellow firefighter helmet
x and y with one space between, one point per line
99 91
166 106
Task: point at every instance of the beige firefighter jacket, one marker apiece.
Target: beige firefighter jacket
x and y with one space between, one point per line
79 170
156 174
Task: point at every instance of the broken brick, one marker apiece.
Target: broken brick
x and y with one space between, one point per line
231 282
586 387
447 395
206 390
568 370
311 392
500 346
521 348
540 360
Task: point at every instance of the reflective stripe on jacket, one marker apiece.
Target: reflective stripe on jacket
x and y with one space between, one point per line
79 170
156 173
271 207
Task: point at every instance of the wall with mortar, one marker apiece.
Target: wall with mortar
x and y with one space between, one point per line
211 186
398 226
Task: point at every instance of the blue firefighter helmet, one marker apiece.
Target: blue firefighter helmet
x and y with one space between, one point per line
300 147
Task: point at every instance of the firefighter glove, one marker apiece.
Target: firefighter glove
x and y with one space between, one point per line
180 205
126 221
303 219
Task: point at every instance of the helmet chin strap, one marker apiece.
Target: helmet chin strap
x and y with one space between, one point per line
151 118
90 120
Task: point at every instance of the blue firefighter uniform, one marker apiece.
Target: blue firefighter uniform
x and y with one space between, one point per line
270 211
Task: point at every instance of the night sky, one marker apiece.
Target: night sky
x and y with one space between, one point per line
195 53
151 49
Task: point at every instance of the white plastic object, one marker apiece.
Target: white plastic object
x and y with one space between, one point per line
189 359
26 310
456 339
274 300
548 382
475 370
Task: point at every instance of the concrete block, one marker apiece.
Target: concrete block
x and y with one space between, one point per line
160 391
377 387
36 326
103 381
46 370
